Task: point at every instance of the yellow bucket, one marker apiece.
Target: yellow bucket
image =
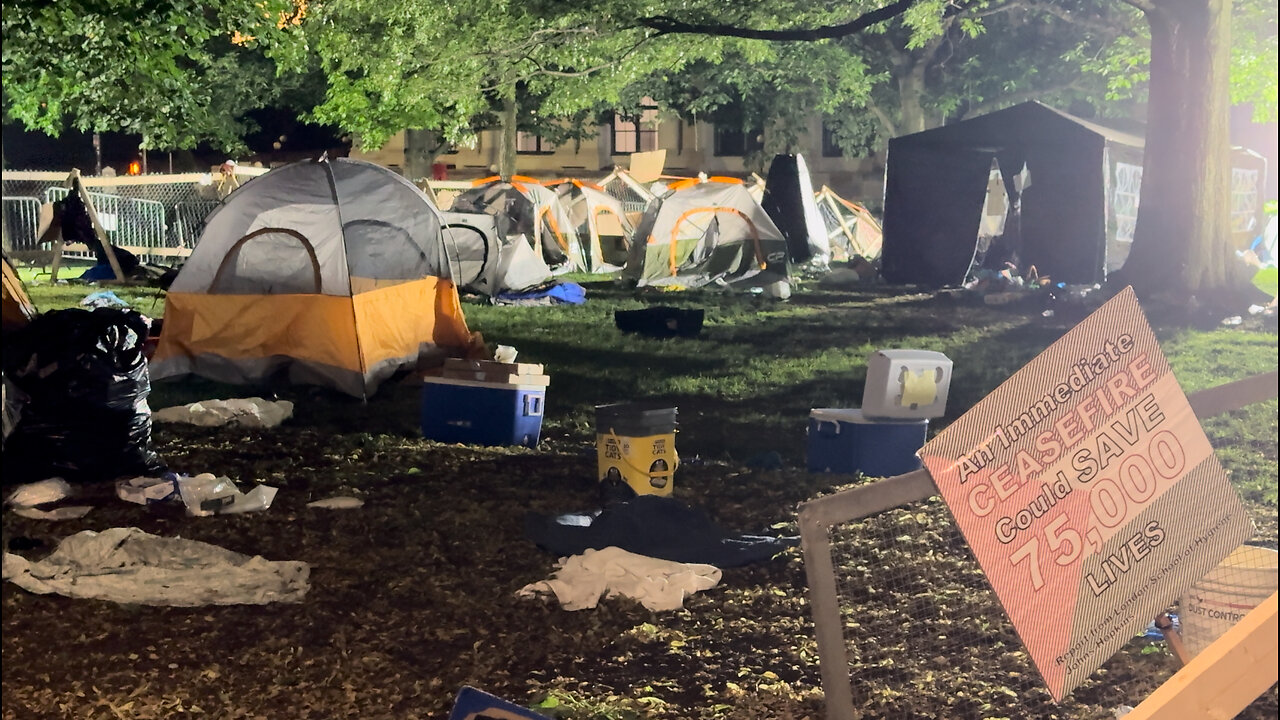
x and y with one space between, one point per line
647 464
1225 595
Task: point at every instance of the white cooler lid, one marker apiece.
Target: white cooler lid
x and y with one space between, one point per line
854 415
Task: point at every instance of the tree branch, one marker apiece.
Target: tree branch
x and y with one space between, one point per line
1051 8
890 129
543 70
1145 6
1015 98
669 25
997 9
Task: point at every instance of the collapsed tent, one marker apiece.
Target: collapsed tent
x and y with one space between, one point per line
599 219
851 228
328 271
18 309
707 231
1029 185
524 207
789 201
482 261
633 194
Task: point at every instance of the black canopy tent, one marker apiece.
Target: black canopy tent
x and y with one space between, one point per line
1058 172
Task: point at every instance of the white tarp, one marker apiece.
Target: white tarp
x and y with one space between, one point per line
252 412
582 580
127 565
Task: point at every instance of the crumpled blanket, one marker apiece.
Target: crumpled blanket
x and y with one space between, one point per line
249 412
127 565
582 580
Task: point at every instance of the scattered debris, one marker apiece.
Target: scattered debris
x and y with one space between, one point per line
253 412
103 299
206 495
341 502
148 490
582 580
39 493
472 703
127 565
68 512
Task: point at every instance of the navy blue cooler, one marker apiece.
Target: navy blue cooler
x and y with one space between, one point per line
473 412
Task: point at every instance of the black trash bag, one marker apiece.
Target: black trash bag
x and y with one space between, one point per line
660 322
86 417
655 526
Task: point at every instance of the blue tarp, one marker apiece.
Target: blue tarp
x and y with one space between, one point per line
561 293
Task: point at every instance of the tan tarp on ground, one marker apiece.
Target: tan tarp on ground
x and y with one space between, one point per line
330 272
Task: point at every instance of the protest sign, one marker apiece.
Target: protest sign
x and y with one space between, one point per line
1088 492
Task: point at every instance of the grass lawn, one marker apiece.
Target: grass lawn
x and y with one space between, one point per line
412 596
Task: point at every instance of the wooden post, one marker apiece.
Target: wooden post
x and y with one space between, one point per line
1224 678
835 208
50 230
1171 635
77 186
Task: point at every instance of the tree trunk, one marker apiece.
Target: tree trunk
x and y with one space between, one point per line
1181 245
507 153
910 94
421 147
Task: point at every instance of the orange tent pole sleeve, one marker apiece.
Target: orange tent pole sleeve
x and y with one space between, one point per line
755 234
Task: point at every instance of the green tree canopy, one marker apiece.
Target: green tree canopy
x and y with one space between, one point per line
177 72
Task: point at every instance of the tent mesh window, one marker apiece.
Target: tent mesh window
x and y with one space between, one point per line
907 625
269 261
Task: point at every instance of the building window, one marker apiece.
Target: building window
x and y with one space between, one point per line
635 133
732 141
528 143
830 146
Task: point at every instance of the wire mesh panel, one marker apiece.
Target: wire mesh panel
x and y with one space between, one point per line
926 637
908 627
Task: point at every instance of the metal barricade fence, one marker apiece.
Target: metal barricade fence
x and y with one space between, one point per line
157 217
22 222
135 224
189 218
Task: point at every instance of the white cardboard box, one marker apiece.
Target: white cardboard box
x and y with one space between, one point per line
906 384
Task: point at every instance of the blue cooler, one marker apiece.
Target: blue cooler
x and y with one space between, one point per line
481 413
843 441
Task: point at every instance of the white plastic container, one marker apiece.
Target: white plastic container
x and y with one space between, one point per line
906 384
